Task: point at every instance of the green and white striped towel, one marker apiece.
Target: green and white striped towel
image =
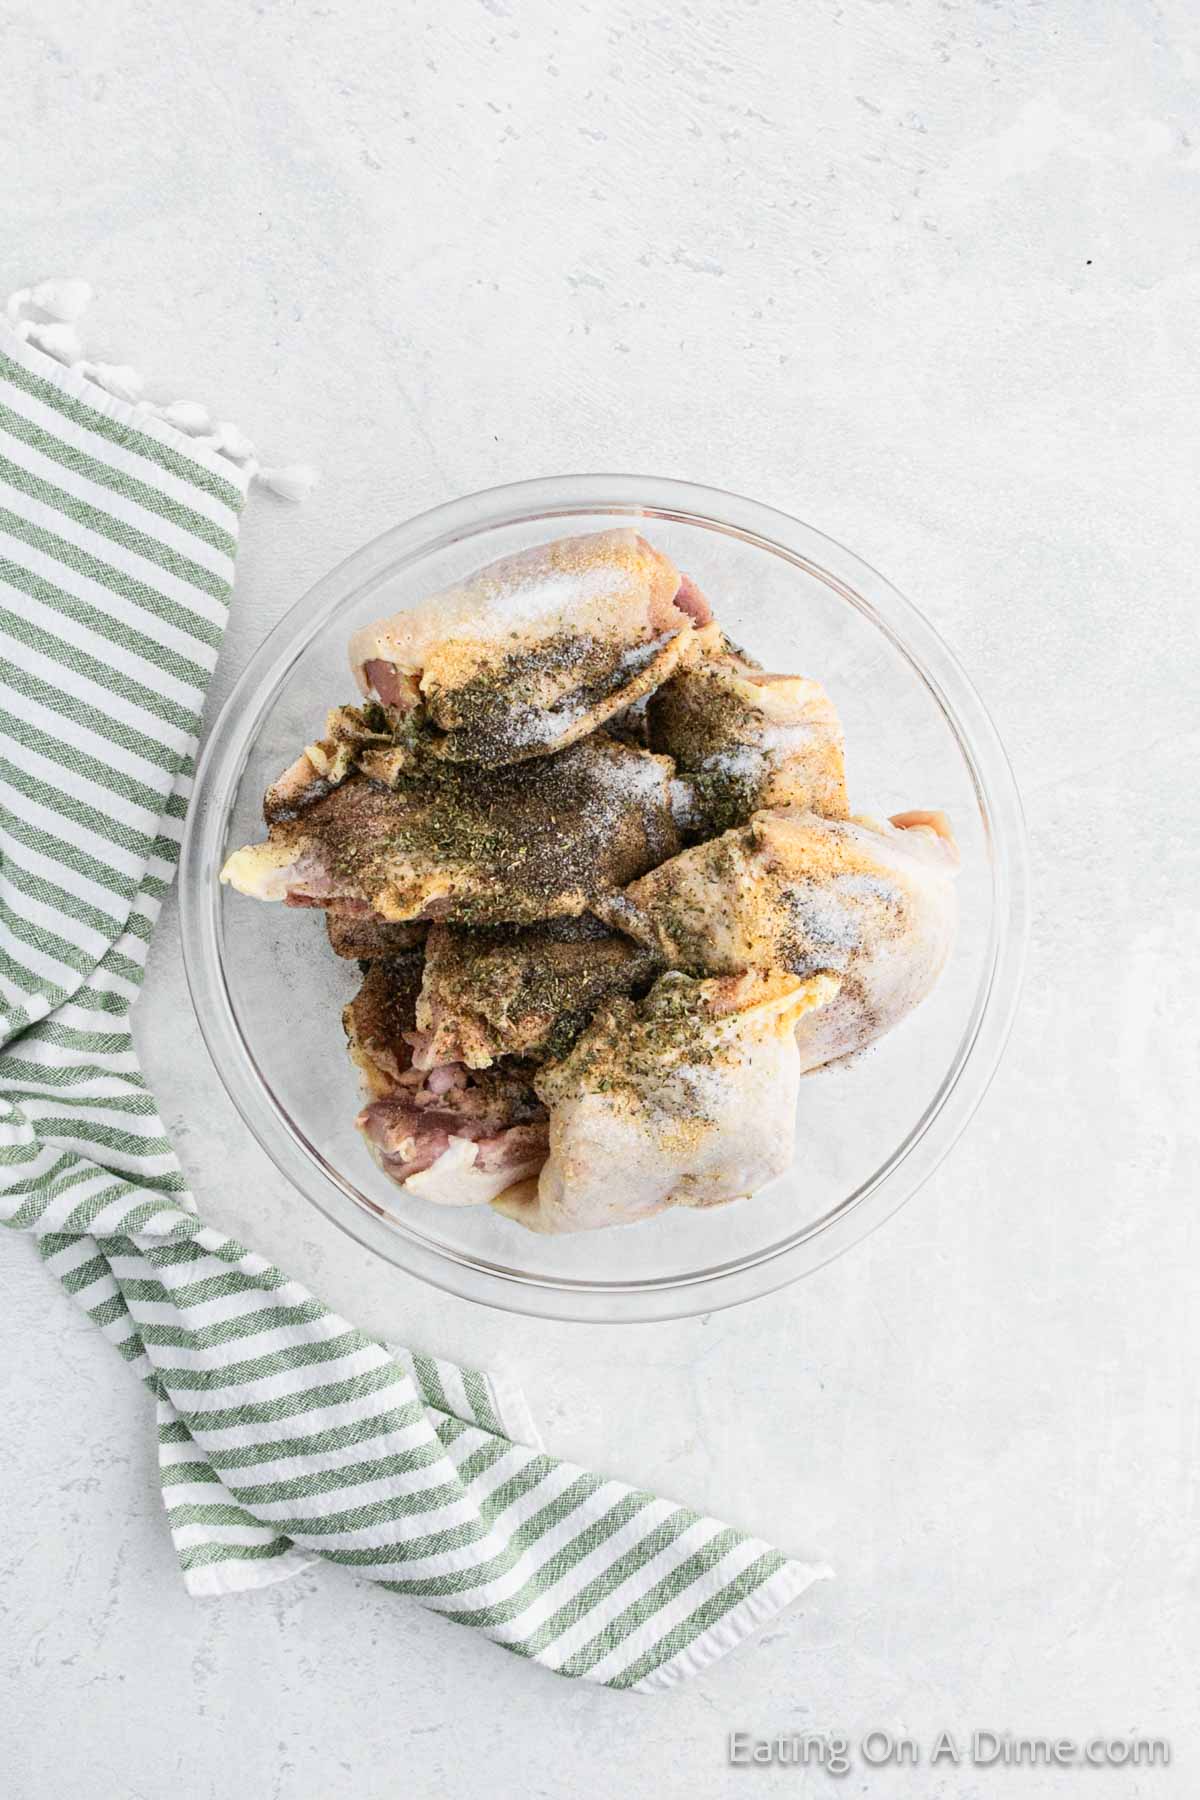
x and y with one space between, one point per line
285 1434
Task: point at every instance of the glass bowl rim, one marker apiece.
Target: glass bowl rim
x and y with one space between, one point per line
223 762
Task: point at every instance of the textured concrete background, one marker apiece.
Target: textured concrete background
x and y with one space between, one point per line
925 274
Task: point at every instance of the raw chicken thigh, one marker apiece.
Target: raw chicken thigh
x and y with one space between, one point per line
380 1022
746 739
447 1134
871 903
684 1099
523 991
535 841
534 651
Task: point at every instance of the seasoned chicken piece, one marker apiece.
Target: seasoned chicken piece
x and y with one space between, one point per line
438 1130
522 991
372 740
380 1022
746 739
686 1098
534 841
363 937
534 651
872 903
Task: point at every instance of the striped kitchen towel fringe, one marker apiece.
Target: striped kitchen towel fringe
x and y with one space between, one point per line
285 1434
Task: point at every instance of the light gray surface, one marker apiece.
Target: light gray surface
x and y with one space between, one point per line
925 275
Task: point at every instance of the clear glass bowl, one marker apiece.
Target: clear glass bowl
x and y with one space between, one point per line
269 994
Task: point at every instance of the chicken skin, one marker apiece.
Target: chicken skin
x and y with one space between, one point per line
871 903
539 840
686 1098
534 651
525 991
745 739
